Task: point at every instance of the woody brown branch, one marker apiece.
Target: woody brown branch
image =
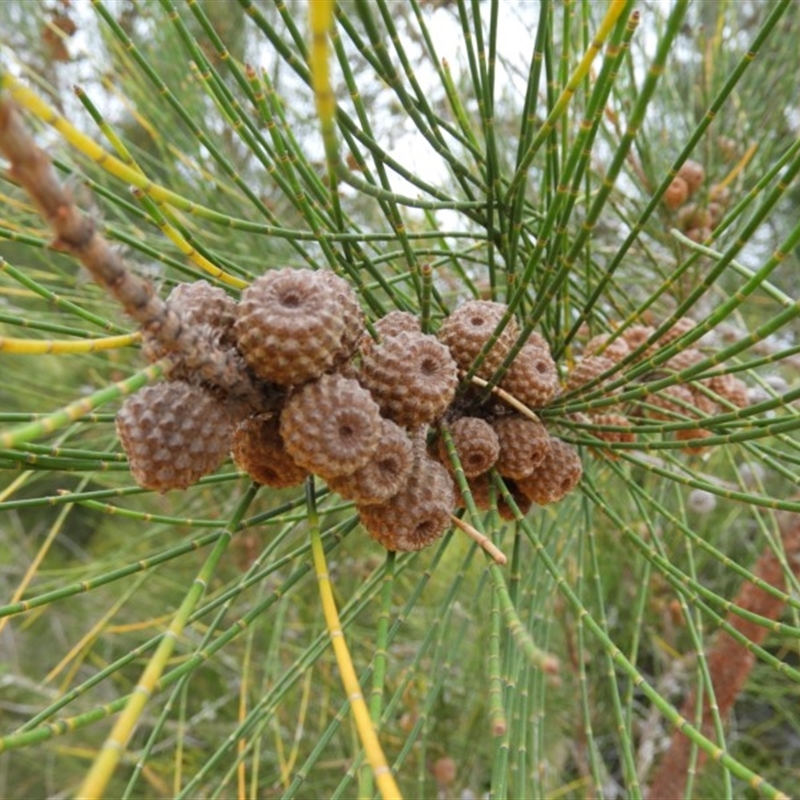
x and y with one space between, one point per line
76 234
730 662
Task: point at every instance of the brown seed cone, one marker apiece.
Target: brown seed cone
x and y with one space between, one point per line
418 514
351 311
686 434
555 477
532 377
524 445
259 450
729 387
393 323
680 326
676 194
669 402
174 434
699 235
331 426
183 368
411 376
693 217
716 211
683 360
693 173
706 406
468 329
397 322
637 335
385 474
444 771
587 369
476 444
600 345
480 487
291 325
218 366
198 303
613 437
719 194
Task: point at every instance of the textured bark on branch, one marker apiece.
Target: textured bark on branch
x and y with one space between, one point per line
76 234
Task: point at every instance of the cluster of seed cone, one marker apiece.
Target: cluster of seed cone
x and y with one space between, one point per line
696 219
316 394
694 399
536 467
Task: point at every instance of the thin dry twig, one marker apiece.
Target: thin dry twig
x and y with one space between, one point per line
507 398
481 539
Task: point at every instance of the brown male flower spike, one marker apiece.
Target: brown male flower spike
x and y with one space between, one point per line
730 662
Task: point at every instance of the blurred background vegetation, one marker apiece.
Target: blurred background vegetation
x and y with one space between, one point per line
457 152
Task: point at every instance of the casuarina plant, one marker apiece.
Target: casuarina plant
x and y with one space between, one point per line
399 399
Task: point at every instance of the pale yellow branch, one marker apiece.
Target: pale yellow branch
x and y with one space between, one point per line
366 731
484 541
507 398
35 347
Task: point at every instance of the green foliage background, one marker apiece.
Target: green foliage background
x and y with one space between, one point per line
627 581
